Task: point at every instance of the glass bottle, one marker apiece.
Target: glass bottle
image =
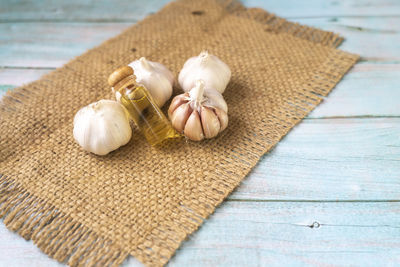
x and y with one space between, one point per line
141 107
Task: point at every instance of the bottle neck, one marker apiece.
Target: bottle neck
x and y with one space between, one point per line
127 82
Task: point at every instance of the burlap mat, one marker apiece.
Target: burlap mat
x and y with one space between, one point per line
83 209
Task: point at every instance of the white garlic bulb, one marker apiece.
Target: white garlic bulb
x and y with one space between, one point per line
209 68
157 79
198 113
102 127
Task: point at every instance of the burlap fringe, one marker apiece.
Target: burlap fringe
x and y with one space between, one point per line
277 24
54 232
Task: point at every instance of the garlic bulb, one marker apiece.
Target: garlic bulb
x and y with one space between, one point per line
102 127
198 113
209 68
157 79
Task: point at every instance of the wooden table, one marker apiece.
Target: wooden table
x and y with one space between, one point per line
327 195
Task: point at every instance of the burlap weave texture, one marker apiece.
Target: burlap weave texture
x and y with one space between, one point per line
141 200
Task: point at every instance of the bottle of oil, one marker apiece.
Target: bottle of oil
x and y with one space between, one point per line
141 106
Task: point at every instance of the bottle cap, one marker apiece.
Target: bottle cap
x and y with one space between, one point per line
119 74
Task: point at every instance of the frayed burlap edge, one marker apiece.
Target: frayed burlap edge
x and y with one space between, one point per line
55 233
68 241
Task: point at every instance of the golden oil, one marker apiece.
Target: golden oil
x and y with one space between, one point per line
141 107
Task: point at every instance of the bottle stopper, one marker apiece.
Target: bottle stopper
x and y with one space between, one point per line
120 74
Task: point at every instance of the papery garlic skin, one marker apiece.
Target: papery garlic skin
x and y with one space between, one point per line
157 79
199 114
102 127
209 68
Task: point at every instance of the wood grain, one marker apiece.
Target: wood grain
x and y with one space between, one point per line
296 234
376 40
76 10
126 10
20 76
263 233
368 90
41 45
330 159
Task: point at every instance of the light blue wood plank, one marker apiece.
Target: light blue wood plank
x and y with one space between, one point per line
270 233
18 77
276 234
330 159
377 39
77 10
42 45
366 91
373 38
318 8
88 10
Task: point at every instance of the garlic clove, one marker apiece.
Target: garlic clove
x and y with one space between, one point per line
193 129
176 102
215 99
223 118
180 116
210 122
